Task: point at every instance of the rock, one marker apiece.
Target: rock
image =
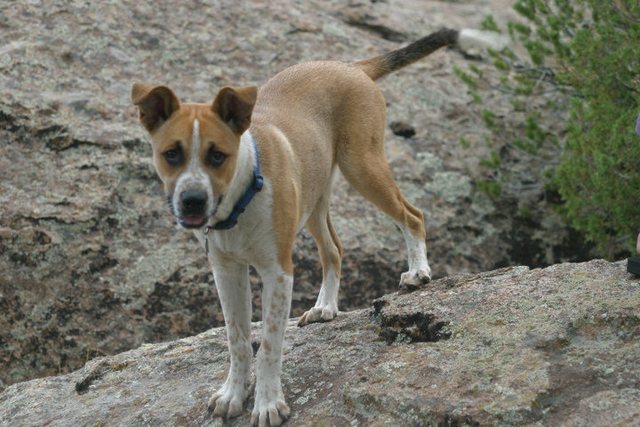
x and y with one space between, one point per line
554 346
358 16
92 263
402 129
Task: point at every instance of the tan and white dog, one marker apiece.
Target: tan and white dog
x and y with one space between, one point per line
297 130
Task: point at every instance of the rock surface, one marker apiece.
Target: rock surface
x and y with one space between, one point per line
554 346
92 263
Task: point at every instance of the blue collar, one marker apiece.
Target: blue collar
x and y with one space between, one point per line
256 185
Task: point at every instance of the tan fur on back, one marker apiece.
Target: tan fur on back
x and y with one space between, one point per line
331 113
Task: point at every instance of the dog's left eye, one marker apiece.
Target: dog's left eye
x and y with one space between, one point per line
216 158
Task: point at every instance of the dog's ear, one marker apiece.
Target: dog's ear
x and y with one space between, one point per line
234 106
156 104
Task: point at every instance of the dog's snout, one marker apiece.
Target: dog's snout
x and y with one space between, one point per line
193 202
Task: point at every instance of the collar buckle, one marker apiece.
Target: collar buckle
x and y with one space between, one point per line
258 182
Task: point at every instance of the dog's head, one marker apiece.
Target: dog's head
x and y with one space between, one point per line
195 146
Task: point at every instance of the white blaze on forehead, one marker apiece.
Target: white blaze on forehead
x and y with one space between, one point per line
195 143
194 171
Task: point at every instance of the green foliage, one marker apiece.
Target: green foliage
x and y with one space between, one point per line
470 81
591 50
490 187
599 173
491 162
489 119
489 24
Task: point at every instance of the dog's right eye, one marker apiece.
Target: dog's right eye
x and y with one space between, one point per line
173 156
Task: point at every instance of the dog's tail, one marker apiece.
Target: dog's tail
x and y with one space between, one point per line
466 40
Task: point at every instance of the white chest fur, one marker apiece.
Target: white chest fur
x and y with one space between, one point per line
252 240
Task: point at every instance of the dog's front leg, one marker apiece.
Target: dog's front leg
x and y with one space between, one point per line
232 283
270 408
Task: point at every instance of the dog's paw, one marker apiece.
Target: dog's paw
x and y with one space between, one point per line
413 280
318 314
227 402
269 413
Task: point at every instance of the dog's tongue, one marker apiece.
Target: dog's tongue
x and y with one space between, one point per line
192 220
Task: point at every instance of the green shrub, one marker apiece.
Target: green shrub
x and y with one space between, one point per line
591 50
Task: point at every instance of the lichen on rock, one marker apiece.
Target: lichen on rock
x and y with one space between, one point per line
516 346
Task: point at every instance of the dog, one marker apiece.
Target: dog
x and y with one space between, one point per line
249 170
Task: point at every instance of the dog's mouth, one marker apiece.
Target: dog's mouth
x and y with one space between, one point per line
193 221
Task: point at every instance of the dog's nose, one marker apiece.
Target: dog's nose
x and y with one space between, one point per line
193 202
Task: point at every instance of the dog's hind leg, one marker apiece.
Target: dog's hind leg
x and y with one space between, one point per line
330 249
232 283
364 165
